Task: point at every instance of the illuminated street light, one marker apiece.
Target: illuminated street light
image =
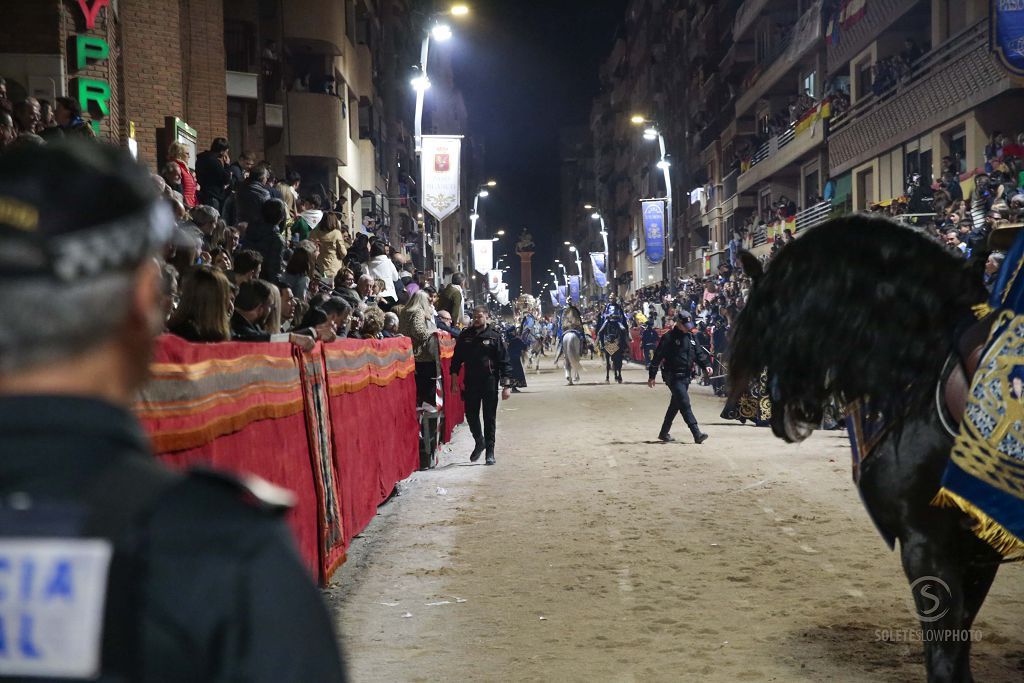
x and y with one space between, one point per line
500 233
459 10
421 83
492 183
441 32
596 216
483 194
651 134
638 120
664 164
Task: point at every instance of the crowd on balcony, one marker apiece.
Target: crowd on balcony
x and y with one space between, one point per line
961 209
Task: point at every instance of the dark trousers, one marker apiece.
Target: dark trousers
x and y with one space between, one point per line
482 392
679 385
426 377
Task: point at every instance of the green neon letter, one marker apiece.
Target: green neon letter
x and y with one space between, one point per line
90 48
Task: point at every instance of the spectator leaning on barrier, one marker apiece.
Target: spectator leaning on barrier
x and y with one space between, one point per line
217 566
416 321
204 307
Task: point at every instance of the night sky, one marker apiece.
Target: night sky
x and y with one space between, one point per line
528 68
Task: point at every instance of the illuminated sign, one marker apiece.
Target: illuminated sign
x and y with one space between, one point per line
92 94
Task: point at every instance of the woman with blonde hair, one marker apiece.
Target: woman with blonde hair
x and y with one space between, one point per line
417 322
272 323
178 153
331 236
204 307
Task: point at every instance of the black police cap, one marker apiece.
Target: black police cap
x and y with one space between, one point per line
75 210
683 317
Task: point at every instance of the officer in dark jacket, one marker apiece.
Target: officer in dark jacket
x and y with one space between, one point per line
676 355
127 570
481 350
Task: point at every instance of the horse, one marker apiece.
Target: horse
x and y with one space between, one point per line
571 346
614 347
868 314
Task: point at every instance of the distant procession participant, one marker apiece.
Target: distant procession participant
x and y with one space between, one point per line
126 570
675 356
481 349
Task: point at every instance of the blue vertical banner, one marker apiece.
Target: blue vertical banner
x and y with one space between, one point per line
597 261
561 295
653 211
574 288
554 297
1006 34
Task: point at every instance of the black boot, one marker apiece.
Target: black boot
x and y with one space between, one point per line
699 437
666 437
477 451
490 457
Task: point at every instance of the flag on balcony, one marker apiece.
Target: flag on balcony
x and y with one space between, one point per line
1007 36
832 30
852 11
597 262
653 212
440 173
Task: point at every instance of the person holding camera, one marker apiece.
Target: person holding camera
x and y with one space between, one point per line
676 355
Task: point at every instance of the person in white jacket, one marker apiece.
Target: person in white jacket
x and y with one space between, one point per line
380 267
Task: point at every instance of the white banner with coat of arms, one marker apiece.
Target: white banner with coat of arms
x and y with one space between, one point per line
440 159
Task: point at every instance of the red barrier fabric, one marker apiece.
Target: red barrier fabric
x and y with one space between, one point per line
336 426
454 407
372 391
239 408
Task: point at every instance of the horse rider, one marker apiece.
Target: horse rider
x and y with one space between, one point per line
675 356
571 320
613 313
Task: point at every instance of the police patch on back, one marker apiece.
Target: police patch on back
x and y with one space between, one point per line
52 598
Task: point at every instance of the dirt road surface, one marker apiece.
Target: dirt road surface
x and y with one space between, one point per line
592 552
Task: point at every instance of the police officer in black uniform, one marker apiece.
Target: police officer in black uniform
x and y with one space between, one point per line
126 570
676 355
481 349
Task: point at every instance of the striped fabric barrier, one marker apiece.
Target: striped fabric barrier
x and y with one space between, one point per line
336 426
371 390
454 407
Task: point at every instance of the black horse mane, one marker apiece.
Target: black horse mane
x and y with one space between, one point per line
857 308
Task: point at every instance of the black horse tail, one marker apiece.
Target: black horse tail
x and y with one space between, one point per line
858 307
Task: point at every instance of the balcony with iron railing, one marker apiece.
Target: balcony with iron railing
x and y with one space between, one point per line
786 148
954 78
760 239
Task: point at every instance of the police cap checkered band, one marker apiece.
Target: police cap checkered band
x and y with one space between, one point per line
683 316
74 211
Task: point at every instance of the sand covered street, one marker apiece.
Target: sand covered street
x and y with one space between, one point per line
592 552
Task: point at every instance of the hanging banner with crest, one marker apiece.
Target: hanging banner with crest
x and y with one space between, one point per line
483 256
653 212
440 173
597 261
574 288
1006 34
493 281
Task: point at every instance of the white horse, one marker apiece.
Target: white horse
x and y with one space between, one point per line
571 347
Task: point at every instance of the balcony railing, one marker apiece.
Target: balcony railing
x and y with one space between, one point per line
813 216
927 65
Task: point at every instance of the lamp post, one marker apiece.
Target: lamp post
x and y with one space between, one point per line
651 133
598 216
440 32
482 192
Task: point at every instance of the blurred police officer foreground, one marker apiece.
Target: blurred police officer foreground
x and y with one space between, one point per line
113 567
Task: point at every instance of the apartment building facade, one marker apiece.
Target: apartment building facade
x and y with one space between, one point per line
780 113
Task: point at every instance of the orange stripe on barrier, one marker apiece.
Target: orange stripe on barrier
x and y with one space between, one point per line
180 440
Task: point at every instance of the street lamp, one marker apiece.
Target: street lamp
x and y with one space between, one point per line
652 133
604 236
440 31
481 193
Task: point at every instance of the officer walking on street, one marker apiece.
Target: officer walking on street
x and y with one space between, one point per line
127 570
676 355
481 350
